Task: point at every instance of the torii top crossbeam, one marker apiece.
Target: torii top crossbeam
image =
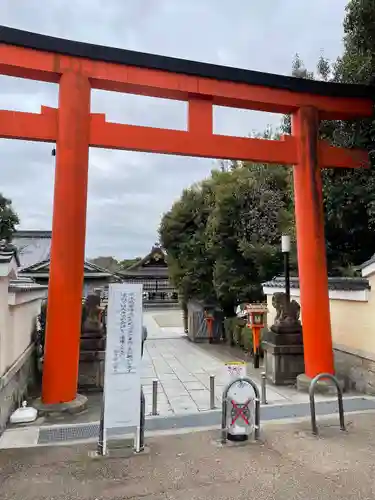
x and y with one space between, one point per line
45 58
79 67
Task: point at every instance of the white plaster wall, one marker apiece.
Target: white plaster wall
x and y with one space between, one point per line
5 325
352 321
16 325
23 316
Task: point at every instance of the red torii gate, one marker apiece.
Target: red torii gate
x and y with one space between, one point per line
79 67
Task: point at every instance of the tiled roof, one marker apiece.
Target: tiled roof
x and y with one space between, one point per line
348 284
42 267
24 285
7 253
31 233
148 272
367 263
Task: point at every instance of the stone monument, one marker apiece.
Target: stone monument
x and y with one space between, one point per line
92 347
283 344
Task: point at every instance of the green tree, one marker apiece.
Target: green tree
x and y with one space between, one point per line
8 219
109 263
358 61
251 209
126 263
349 194
223 236
323 72
182 235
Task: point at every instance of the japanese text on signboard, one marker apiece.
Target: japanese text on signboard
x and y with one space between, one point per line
123 360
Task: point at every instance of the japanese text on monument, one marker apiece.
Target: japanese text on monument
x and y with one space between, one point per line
123 353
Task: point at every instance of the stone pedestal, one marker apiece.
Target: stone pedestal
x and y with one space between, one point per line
78 405
92 347
283 357
323 386
91 361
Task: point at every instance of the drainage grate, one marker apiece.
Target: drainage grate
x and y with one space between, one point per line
71 433
78 432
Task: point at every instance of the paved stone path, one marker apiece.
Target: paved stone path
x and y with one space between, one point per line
183 369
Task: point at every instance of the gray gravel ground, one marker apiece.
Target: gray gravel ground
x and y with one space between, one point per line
289 464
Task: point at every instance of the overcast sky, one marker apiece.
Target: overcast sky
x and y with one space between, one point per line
128 192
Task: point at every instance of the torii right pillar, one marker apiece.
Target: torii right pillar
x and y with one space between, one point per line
311 248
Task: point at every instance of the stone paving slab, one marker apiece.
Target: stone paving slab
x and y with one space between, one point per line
288 464
183 369
170 319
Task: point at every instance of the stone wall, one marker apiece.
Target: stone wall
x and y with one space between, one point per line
357 369
15 384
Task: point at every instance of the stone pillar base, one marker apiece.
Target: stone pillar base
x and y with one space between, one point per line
283 356
324 386
91 370
71 407
283 363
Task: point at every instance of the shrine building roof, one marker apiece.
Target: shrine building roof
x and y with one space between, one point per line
334 283
153 265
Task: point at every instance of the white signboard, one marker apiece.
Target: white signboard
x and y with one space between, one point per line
122 379
235 369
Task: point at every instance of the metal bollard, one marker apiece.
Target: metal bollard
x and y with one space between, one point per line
212 392
154 397
264 389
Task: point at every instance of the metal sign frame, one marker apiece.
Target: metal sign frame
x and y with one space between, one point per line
139 439
123 357
224 429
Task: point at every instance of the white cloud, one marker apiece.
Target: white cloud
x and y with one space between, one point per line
128 191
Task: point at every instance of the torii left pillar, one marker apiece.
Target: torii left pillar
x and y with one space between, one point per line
62 343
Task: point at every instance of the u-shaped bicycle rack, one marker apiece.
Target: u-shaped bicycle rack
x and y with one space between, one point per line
313 383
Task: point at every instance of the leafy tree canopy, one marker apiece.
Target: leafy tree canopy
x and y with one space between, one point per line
182 234
113 265
8 219
349 194
223 236
124 264
109 263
